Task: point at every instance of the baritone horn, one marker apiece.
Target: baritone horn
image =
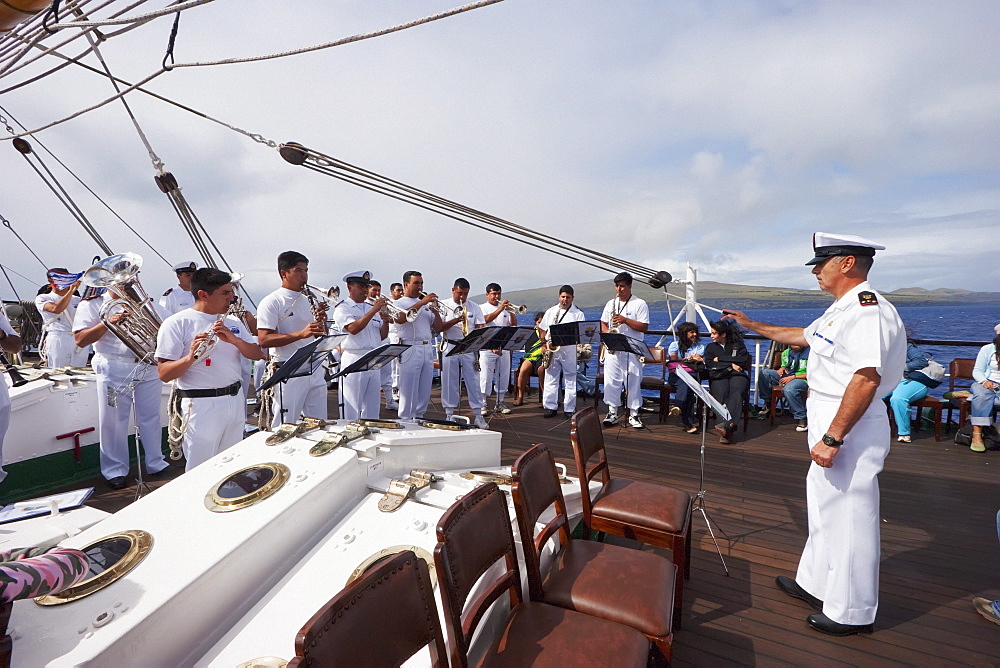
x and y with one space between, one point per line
137 330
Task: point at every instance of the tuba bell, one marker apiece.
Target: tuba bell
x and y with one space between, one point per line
137 330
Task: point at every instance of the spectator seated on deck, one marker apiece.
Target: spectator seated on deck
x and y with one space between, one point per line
912 389
790 377
985 390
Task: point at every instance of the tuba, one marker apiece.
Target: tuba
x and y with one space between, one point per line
137 330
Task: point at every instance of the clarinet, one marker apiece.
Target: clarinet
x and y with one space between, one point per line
17 380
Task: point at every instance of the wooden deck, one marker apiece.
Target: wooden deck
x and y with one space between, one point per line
939 542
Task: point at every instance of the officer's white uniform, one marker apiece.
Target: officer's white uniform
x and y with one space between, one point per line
285 311
360 389
460 367
175 300
59 348
4 392
494 368
213 423
840 561
563 362
416 364
119 373
624 368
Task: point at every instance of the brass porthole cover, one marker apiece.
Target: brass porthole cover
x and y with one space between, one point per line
129 546
421 553
246 487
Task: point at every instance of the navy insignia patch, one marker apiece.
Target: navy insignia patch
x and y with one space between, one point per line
867 298
168 292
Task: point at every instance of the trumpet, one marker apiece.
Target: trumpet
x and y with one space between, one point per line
442 310
391 311
517 310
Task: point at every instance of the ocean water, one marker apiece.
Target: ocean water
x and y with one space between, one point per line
971 323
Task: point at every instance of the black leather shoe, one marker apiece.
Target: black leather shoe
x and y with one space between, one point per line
117 483
568 415
156 474
824 624
550 412
792 588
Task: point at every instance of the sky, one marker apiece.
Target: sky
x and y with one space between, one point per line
715 134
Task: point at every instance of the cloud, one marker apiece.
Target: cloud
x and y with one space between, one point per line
716 134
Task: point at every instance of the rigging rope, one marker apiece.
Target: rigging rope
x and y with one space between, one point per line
6 223
10 282
345 40
89 189
178 6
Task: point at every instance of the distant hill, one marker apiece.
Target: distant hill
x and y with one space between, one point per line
712 293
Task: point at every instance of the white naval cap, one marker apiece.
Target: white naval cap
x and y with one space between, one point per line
826 245
358 277
185 266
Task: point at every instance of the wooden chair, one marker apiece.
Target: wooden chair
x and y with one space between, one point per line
960 378
619 584
937 407
652 514
381 619
474 541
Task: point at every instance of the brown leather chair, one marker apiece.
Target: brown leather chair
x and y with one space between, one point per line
616 583
474 536
381 619
960 378
652 514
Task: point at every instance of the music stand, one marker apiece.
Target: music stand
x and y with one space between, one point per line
616 342
503 339
312 352
707 400
373 360
572 334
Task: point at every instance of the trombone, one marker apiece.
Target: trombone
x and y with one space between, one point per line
391 311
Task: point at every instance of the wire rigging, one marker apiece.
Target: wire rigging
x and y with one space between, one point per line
6 223
344 40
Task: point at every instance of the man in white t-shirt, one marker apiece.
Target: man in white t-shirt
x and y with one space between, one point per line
628 315
285 323
462 317
365 330
179 297
563 360
9 342
58 309
212 406
385 373
395 292
494 365
120 377
416 364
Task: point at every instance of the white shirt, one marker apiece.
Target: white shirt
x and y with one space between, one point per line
175 300
88 315
285 311
502 320
9 331
475 316
556 315
370 337
632 308
420 329
860 330
221 368
56 322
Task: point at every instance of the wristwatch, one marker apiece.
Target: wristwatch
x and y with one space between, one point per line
831 441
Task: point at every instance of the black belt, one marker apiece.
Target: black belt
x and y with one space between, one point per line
228 391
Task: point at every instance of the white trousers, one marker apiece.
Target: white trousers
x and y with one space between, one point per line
840 560
563 366
60 350
213 424
453 369
114 376
494 370
385 380
622 369
416 373
305 395
4 422
360 389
